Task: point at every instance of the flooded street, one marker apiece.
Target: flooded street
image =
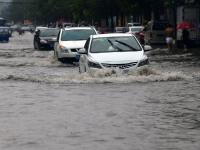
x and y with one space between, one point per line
47 105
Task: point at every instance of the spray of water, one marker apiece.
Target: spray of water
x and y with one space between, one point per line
143 75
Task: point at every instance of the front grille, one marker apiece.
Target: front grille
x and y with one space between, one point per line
121 66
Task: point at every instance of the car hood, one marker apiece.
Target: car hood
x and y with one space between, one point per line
117 57
48 38
73 44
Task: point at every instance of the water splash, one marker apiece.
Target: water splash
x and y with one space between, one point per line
143 75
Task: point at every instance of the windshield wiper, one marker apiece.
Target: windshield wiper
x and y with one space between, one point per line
116 47
125 44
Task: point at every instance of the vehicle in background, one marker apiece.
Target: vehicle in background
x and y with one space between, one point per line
28 28
4 34
70 40
15 27
65 25
140 36
112 51
3 22
131 24
155 32
45 38
40 28
68 24
121 29
135 29
138 32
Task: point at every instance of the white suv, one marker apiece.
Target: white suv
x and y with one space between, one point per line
70 40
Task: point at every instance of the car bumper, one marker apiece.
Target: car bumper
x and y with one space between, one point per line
68 55
4 38
47 45
115 70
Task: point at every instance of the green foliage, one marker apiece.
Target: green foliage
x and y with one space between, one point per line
44 11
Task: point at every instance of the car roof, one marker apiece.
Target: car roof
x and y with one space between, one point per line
112 35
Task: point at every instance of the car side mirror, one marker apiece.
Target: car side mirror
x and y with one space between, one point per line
147 48
82 51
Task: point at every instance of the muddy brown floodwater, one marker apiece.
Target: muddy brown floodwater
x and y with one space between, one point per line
46 105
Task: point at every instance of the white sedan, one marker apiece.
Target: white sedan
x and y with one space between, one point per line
121 51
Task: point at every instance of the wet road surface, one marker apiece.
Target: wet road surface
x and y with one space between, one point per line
47 105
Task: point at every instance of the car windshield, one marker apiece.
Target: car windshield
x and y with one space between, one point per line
114 44
76 35
136 29
49 32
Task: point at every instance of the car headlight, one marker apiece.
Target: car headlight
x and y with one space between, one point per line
63 48
43 41
143 62
94 65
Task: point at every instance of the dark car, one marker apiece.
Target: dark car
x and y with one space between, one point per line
29 28
45 38
4 34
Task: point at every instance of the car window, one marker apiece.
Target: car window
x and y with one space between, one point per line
49 32
114 44
76 35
